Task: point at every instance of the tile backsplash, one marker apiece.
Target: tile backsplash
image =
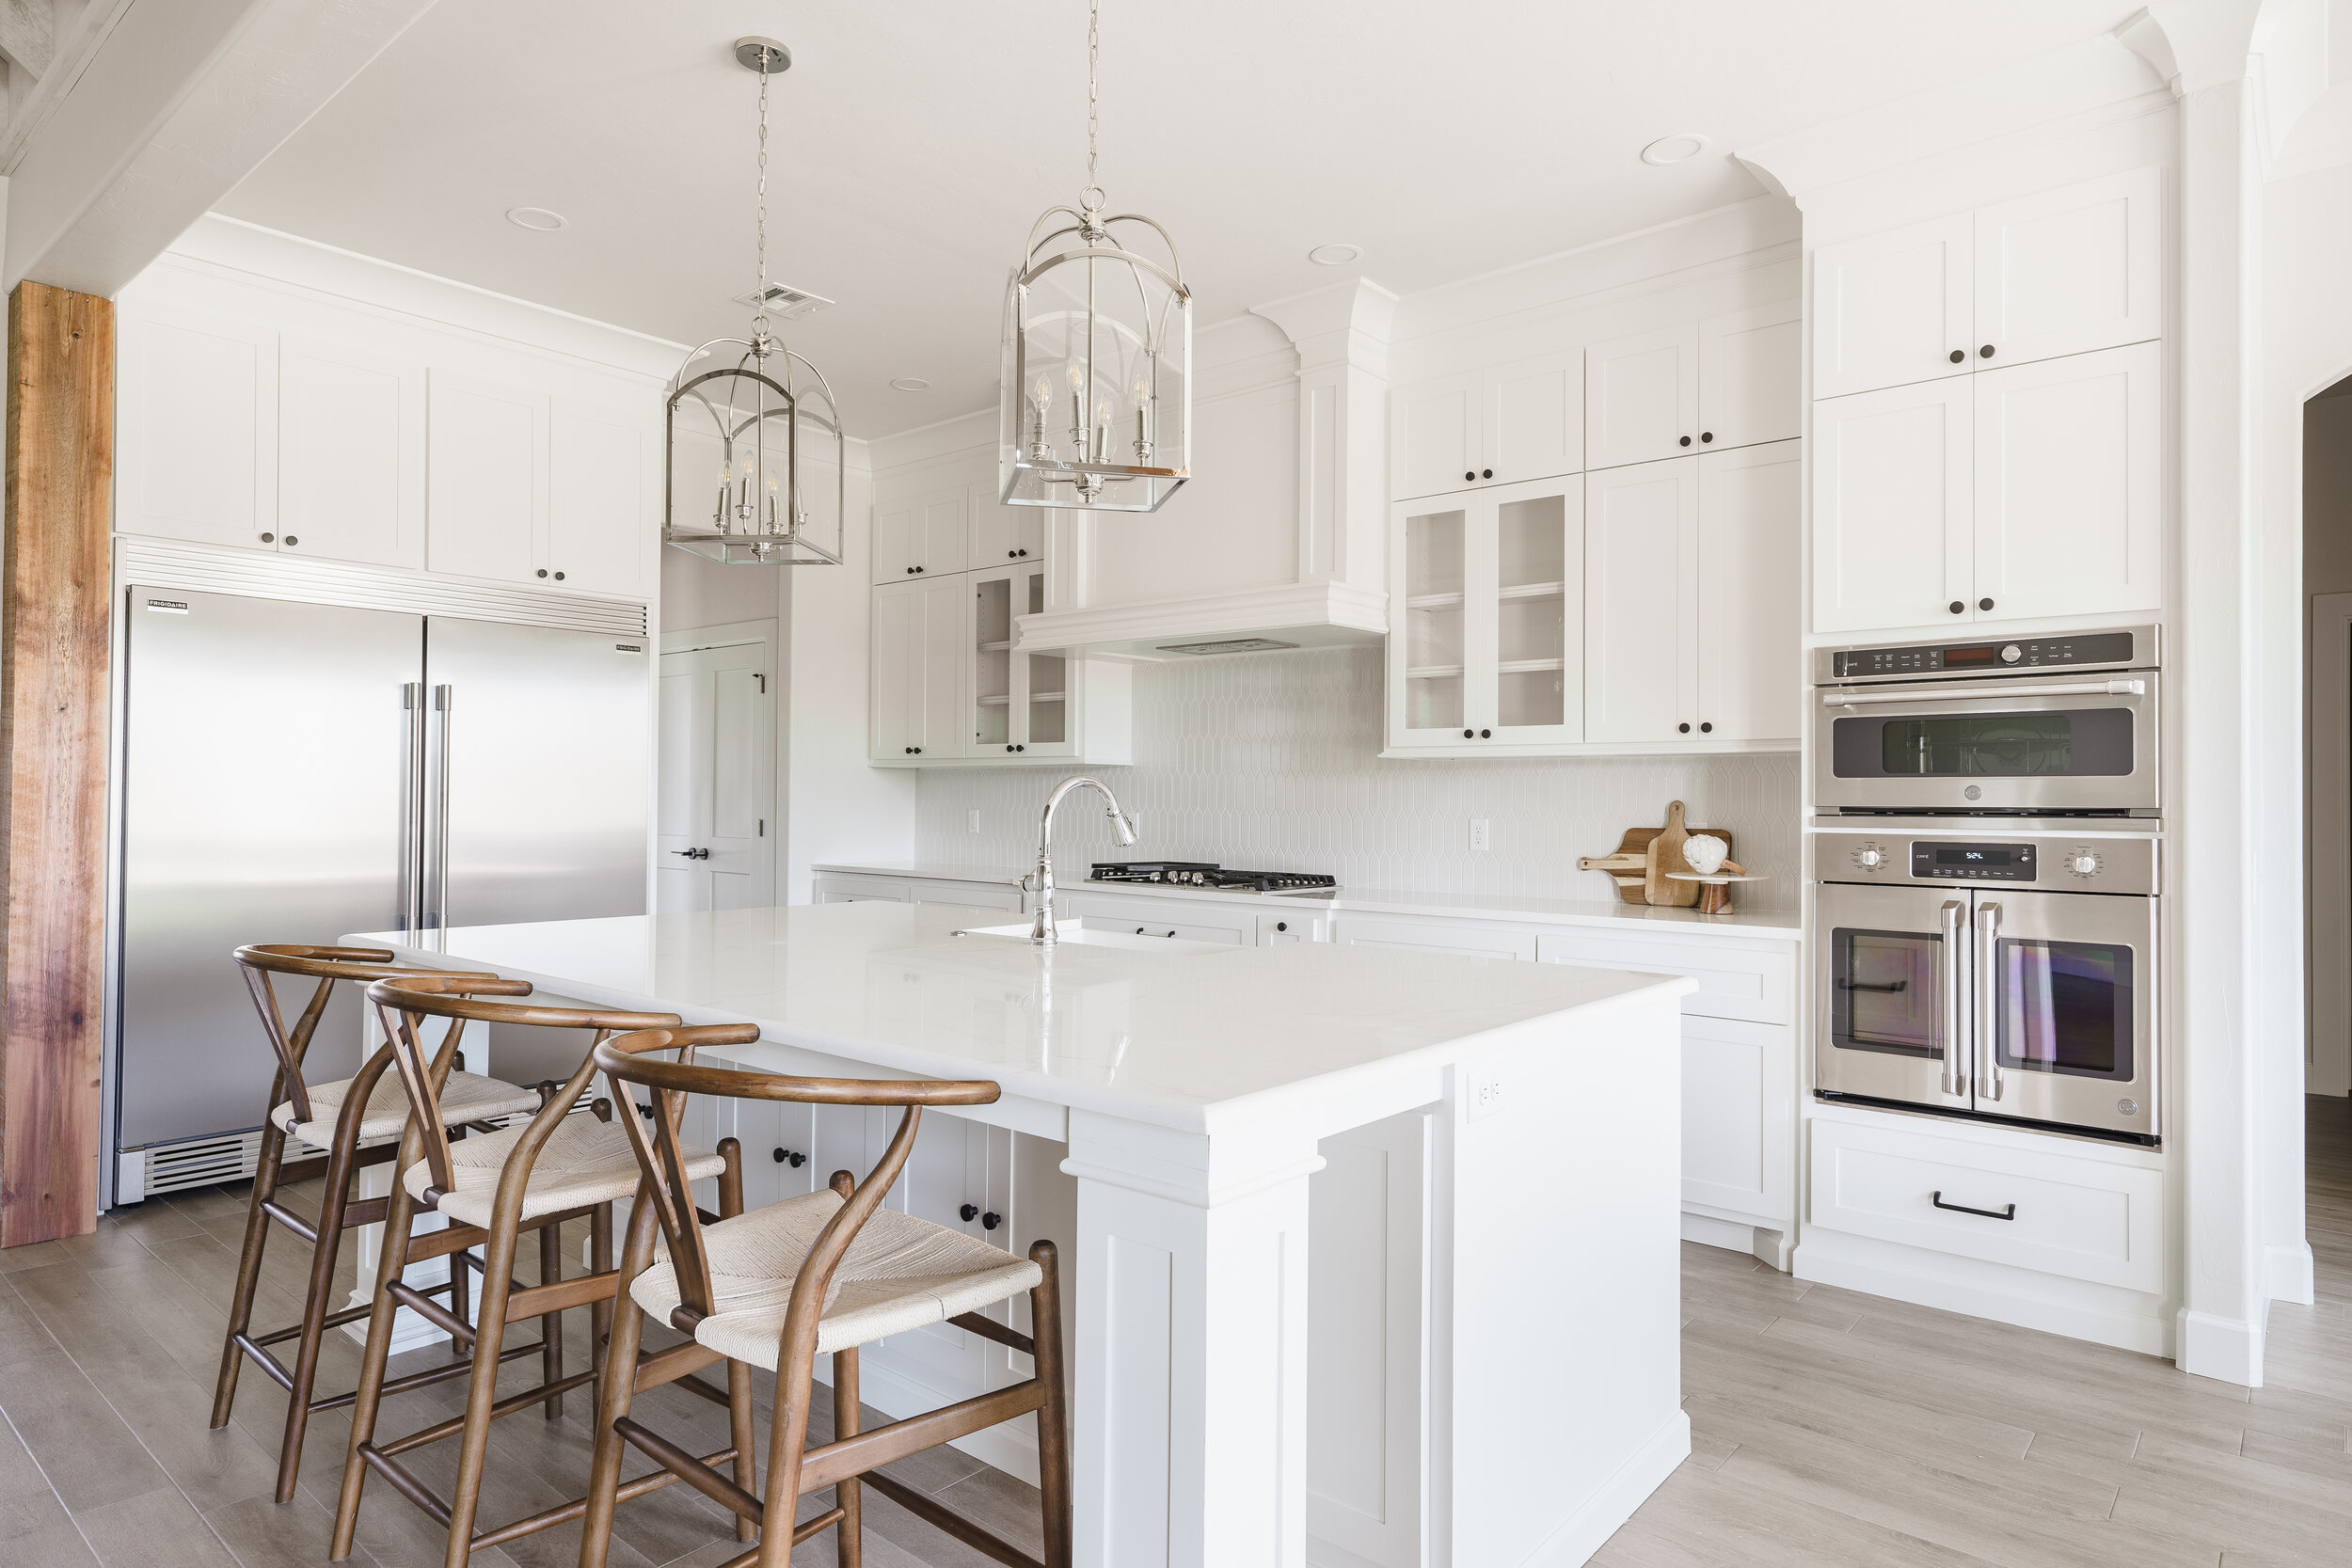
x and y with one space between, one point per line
1271 761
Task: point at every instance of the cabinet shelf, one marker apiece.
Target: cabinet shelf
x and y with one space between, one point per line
1529 666
1433 601
1434 673
1532 591
1003 647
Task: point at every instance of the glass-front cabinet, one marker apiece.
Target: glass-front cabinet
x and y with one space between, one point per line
1022 703
1490 654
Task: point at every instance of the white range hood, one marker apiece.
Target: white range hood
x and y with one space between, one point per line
1321 431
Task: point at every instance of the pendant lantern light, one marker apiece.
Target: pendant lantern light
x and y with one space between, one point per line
755 474
1095 404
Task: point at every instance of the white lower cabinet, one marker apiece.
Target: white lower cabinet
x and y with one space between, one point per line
1466 941
1738 1120
1237 924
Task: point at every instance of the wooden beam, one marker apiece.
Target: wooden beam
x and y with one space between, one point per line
52 759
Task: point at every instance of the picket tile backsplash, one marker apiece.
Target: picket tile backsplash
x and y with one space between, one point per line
1271 761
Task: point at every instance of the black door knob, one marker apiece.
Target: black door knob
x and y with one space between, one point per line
1684 729
1485 734
1707 729
791 1157
1958 608
1960 356
990 1221
970 1212
1485 473
1686 440
1984 604
1985 351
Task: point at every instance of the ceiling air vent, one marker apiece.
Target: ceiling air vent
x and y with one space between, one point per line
786 302
1230 645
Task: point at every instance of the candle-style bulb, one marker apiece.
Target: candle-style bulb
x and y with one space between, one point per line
1042 395
1143 391
1077 378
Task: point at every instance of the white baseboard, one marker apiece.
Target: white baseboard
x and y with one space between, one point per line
1644 1470
1770 1247
2229 1350
1980 1291
2287 1273
409 1330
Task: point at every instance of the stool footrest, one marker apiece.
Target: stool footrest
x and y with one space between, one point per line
506 1406
694 1472
938 1516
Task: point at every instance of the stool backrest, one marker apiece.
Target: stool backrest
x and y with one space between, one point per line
403 1002
260 960
630 1059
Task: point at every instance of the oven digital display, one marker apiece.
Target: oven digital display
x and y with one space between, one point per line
1962 659
1972 862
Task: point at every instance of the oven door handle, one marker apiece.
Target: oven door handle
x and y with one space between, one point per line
1988 1003
1955 1079
1836 698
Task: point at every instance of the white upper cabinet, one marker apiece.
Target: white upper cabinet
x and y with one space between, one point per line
1641 397
1435 442
2065 271
1533 424
2070 270
1001 534
604 474
1746 570
1893 309
1748 376
1891 512
198 429
486 501
895 700
351 454
2069 483
919 669
920 537
1640 532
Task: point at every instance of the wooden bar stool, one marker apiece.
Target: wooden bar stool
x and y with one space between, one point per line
352 1120
532 1177
823 1273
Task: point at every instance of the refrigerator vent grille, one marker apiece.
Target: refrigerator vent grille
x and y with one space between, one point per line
257 576
200 1163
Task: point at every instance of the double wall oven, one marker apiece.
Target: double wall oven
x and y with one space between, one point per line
1986 871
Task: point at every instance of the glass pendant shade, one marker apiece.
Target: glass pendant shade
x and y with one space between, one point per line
754 459
1096 393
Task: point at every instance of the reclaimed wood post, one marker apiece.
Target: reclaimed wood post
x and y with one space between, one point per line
52 759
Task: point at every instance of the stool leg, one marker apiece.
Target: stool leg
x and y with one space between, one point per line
317 1301
460 1290
489 1335
1053 1418
849 1537
739 1412
615 1389
399 1217
551 1324
257 1222
599 1310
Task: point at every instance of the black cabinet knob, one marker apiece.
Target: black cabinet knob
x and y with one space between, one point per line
559 577
792 1157
990 1221
1707 729
1467 735
272 538
910 571
970 1212
1282 925
1684 729
1009 554
1485 734
1706 436
1960 356
1984 604
1007 745
1686 440
1959 608
543 571
1485 473
291 540
917 749
1024 555
1985 351
1466 474
1023 747
919 570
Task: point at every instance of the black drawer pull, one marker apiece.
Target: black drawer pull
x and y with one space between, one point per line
2007 1210
1857 985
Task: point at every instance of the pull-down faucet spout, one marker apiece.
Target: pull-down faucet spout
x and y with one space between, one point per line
1041 882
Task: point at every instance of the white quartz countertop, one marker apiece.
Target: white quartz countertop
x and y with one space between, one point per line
1193 1039
1463 905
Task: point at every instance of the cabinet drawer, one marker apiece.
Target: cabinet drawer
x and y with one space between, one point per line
1734 982
1476 942
2071 1214
853 890
972 896
1153 917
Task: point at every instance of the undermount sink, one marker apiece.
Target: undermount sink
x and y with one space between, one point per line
1079 930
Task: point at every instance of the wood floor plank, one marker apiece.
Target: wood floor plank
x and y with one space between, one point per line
152 1529
88 1455
36 1531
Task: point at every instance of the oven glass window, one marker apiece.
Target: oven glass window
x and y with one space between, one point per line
1884 992
2071 743
2066 1006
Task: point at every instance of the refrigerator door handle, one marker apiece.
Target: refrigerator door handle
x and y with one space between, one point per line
412 806
443 700
1988 1003
1955 917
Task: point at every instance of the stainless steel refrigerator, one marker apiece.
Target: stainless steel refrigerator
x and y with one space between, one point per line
295 771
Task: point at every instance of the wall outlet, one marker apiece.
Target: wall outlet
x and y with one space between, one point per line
1479 838
972 820
1489 1092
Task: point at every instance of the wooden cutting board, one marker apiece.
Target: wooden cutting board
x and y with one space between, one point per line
1640 865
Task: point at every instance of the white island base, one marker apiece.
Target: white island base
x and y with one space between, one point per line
1375 1253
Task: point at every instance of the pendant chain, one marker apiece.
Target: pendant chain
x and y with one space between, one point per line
760 318
1095 68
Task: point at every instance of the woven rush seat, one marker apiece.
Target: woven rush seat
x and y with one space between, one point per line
468 1097
586 1161
901 1274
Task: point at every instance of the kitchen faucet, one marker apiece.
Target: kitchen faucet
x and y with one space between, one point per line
1041 880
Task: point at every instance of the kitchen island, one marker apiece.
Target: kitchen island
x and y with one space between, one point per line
1523 1302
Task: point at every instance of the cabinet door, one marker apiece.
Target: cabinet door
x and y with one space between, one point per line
1526 657
990 661
1047 710
1747 565
894 541
1891 527
1001 532
350 455
940 529
2069 485
1429 556
1534 419
1748 378
1150 917
1739 1119
197 442
603 468
1641 397
1893 309
944 612
486 494
2070 270
896 727
1640 534
1434 443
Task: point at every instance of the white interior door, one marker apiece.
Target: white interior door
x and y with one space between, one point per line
1891 525
1893 309
717 790
1748 548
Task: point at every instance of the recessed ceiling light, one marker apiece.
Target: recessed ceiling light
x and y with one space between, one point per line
1334 255
535 218
909 384
1674 149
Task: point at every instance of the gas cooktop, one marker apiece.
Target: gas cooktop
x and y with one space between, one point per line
1209 875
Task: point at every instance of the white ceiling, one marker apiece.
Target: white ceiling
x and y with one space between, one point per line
915 140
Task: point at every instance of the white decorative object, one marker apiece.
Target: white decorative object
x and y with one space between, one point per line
1705 854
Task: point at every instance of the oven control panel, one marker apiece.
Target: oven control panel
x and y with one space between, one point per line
1972 862
2126 648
